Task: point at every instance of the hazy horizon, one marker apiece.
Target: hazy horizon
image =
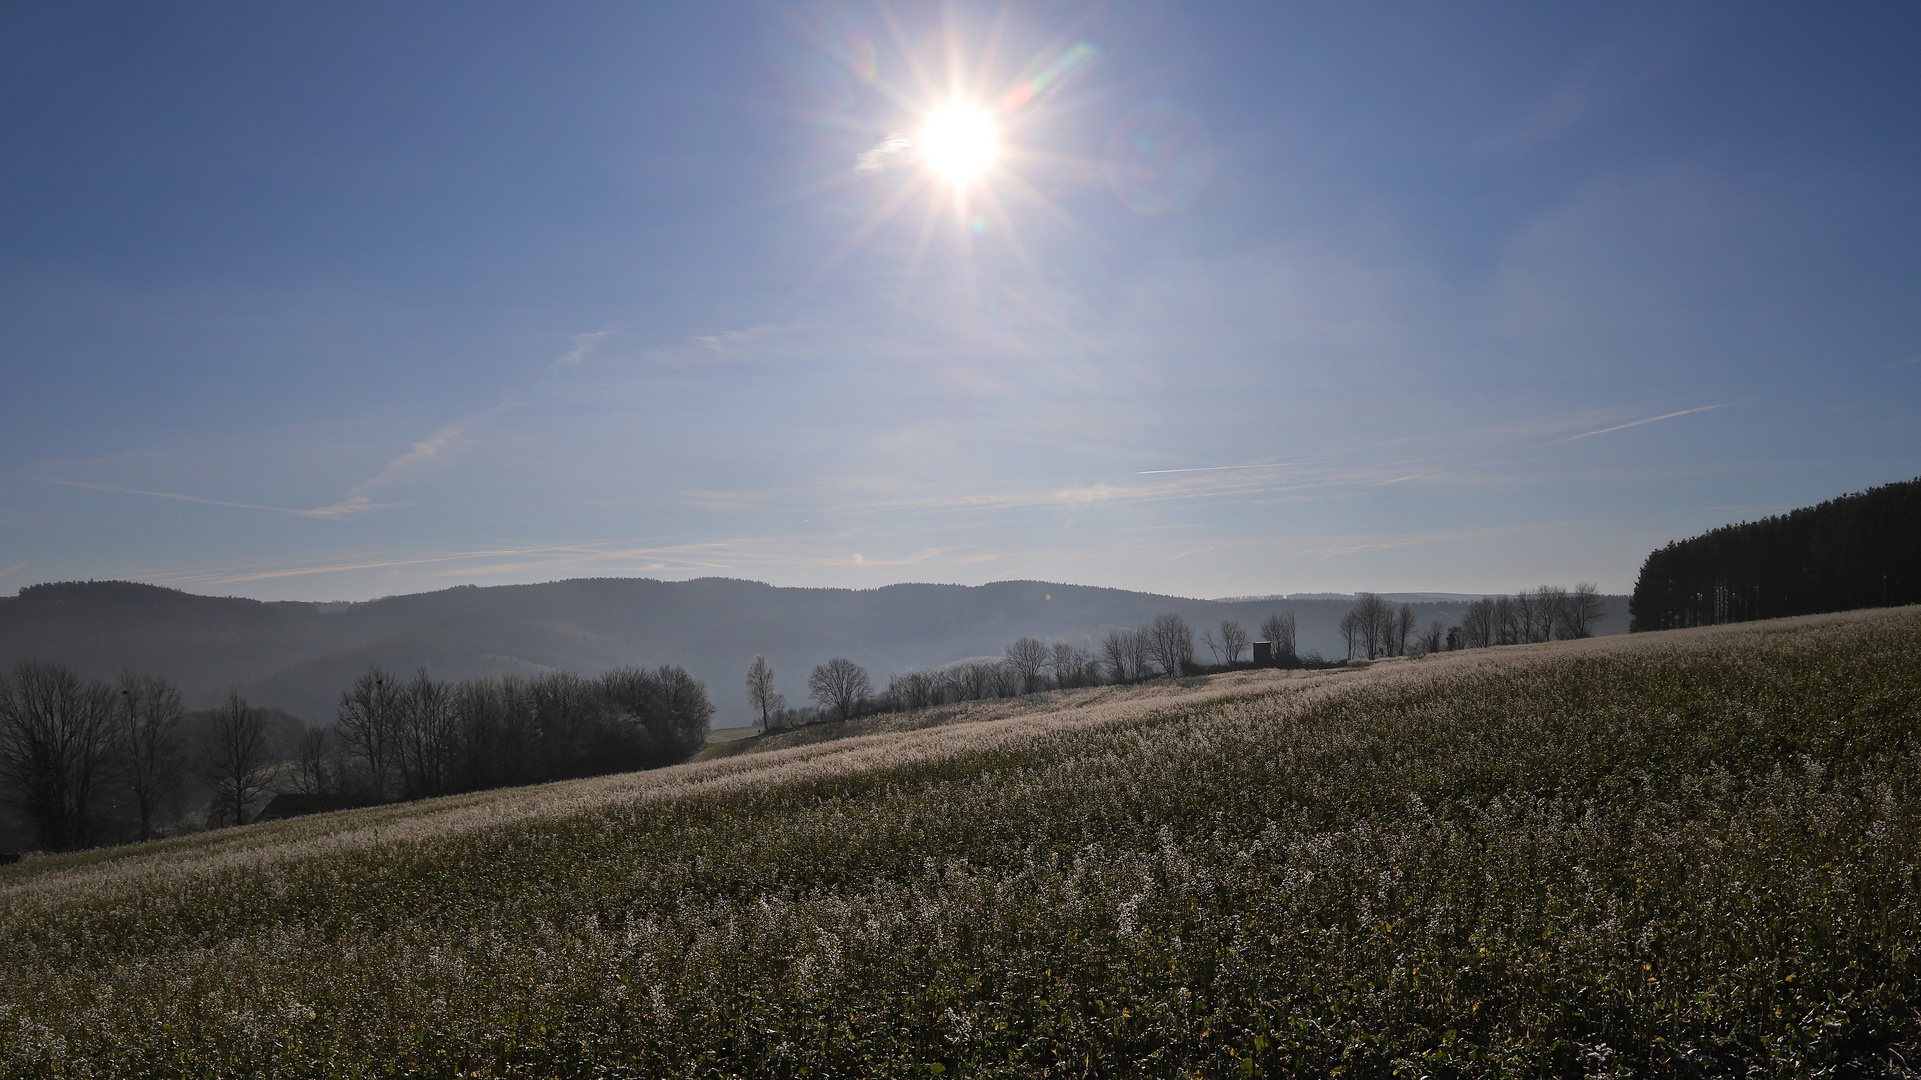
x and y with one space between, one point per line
1239 598
373 299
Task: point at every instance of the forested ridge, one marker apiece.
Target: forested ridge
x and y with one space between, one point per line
297 656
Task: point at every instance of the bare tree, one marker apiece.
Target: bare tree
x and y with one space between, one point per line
1125 652
914 689
1006 680
1581 611
1028 658
426 726
149 750
1233 640
1213 644
1434 637
1507 621
367 716
760 690
1405 623
1278 629
1373 624
841 685
234 758
1114 652
1065 661
1550 612
1142 657
1073 665
56 743
1171 643
313 771
1527 616
1479 625
1350 631
972 681
1089 665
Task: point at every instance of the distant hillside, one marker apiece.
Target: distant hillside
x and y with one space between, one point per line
299 656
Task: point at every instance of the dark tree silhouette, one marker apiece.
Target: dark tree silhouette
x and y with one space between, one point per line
368 720
1374 623
840 685
1028 657
1279 630
760 690
1857 551
1170 641
56 741
235 758
1233 640
149 750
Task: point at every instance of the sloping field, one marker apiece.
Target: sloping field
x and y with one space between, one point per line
1685 854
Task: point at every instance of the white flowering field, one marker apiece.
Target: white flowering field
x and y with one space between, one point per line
1686 854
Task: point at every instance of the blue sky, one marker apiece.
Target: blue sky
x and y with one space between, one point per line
338 301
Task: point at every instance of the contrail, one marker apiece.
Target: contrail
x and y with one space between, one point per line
1638 423
1264 465
172 495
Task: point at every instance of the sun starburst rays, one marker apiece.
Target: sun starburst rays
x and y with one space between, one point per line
956 137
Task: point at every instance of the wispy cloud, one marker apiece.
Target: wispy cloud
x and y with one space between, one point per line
1257 465
177 496
731 555
439 446
15 568
1899 364
585 345
1638 423
764 342
889 151
883 496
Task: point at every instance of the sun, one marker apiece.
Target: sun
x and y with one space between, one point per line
958 146
959 142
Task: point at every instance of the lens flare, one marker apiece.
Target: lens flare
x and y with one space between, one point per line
1051 79
960 142
1158 159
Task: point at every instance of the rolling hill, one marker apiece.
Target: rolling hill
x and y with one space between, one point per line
1687 853
299 656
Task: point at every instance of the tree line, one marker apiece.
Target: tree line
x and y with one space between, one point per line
1372 629
85 761
1549 613
842 689
1857 551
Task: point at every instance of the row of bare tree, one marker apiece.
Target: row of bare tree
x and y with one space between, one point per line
421 738
1375 628
1549 613
841 688
87 762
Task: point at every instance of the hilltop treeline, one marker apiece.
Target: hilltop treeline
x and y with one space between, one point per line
86 762
1373 628
1857 551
